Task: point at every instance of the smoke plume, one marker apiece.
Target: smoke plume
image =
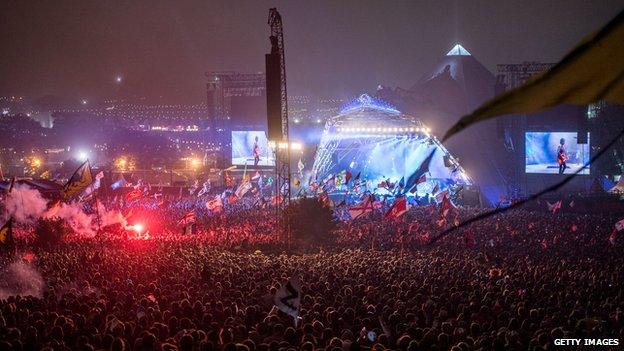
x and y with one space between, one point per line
20 279
25 204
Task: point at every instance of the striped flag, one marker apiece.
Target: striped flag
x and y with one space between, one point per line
399 207
363 208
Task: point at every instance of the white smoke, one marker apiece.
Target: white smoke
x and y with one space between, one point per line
21 279
110 217
25 204
74 215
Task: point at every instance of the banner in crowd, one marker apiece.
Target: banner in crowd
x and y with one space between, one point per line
288 297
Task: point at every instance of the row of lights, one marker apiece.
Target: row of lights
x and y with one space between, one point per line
284 145
386 129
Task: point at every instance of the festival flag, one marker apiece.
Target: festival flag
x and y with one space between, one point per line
243 189
229 180
571 203
441 222
439 197
300 165
187 218
93 186
231 200
79 181
422 179
256 175
120 182
591 72
215 205
361 209
619 225
348 177
133 195
6 232
339 179
324 199
399 207
277 199
554 207
420 171
288 297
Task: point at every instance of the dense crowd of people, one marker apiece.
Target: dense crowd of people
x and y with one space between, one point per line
515 281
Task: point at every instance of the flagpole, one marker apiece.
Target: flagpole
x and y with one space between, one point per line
97 208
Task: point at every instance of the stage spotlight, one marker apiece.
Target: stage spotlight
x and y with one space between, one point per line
83 155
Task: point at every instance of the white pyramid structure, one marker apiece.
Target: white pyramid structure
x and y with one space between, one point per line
458 50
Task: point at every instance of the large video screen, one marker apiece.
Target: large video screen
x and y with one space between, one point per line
555 153
251 148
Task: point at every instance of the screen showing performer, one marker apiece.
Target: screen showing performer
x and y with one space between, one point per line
555 153
251 148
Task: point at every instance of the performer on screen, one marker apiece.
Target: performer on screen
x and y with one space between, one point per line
562 156
256 152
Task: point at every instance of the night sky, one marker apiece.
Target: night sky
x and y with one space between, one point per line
333 48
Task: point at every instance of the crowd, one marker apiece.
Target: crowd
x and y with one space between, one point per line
515 281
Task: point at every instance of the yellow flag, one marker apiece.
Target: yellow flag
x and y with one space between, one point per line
79 181
593 71
6 232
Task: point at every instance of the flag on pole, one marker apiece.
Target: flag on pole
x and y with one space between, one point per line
288 298
243 189
93 186
554 207
6 232
361 209
79 181
591 72
399 207
348 177
419 172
